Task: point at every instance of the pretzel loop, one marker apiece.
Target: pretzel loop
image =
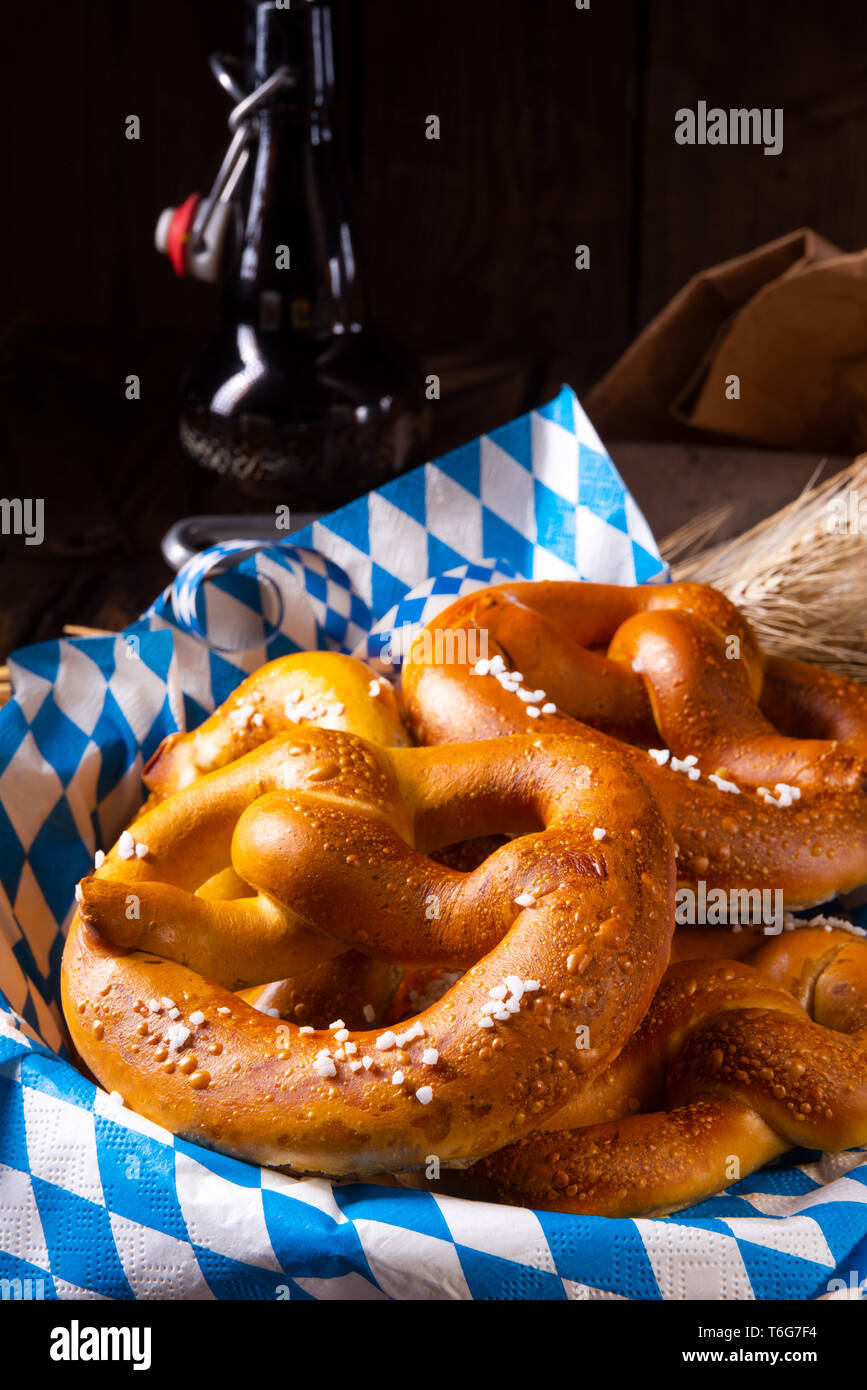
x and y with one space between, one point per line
561 931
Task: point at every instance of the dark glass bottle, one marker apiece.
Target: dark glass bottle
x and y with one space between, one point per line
296 392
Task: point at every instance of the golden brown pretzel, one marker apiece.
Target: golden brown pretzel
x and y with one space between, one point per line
329 691
764 775
566 929
734 1064
321 688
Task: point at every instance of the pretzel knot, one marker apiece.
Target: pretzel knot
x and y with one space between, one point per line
734 1064
759 763
327 838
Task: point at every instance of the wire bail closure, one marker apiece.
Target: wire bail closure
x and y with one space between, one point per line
194 234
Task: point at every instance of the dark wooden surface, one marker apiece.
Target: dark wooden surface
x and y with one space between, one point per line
557 129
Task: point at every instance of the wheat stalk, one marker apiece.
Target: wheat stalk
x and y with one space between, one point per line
799 576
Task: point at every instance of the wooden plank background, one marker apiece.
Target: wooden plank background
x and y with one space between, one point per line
557 129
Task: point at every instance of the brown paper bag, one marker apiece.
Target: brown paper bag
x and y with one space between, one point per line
788 321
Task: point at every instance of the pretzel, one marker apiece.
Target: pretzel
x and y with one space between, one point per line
759 763
734 1064
321 688
556 930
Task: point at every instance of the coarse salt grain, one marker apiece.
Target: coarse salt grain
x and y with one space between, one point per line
486 1022
659 755
99 859
722 784
175 1012
416 1031
326 1067
338 1023
397 1078
341 1035
498 992
430 1057
264 1009
115 1097
355 1066
141 851
533 711
424 1095
599 833
549 707
126 846
369 1013
177 1035
223 1010
385 1041
307 1029
197 1018
154 1006
367 1063
526 900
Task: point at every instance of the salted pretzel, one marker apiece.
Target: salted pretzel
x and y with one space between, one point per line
329 691
559 928
759 763
322 688
734 1064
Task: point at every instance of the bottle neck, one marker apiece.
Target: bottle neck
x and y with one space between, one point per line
298 245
